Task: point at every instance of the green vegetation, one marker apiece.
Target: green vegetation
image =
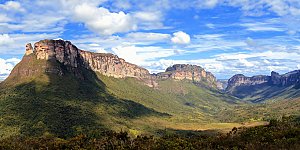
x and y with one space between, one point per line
279 134
71 108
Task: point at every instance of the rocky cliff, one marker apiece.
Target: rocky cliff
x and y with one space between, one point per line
189 72
260 87
68 54
275 79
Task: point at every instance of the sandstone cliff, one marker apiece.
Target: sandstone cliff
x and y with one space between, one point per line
275 79
189 72
68 54
259 88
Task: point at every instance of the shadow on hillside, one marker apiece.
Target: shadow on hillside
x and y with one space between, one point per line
66 105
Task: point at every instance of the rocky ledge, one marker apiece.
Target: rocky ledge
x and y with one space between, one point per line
68 54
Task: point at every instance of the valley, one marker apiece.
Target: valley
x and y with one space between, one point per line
61 91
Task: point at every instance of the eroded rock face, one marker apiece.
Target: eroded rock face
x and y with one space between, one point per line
112 65
189 72
68 54
241 80
29 49
275 79
287 79
63 51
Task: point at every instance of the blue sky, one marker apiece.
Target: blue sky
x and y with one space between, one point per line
226 37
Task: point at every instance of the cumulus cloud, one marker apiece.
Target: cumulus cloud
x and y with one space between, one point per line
102 21
181 38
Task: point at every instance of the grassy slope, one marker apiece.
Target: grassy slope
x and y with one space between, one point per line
62 105
263 93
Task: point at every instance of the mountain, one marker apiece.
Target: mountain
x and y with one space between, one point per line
260 88
222 84
60 90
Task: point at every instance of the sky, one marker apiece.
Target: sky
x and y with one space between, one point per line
226 37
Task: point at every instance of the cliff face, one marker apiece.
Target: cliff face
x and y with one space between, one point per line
275 79
68 54
241 80
189 72
261 87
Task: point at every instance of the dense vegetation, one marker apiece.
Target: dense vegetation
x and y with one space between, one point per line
279 134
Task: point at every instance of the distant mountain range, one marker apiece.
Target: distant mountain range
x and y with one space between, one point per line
261 87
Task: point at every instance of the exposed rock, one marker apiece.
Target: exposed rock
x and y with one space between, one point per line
241 80
287 79
189 72
68 54
112 65
29 49
261 87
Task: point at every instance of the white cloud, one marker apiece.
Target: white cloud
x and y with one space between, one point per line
147 36
6 65
5 39
12 6
101 21
148 16
141 55
210 25
181 38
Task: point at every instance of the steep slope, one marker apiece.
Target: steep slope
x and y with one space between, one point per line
260 88
60 90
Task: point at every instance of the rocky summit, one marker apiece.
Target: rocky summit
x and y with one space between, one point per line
189 72
68 54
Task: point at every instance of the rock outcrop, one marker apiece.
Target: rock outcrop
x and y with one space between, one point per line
259 88
241 80
275 79
189 72
287 79
68 54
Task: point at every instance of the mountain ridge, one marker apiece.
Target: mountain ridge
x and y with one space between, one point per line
109 64
263 87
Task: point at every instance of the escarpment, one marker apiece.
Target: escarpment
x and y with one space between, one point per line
68 55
